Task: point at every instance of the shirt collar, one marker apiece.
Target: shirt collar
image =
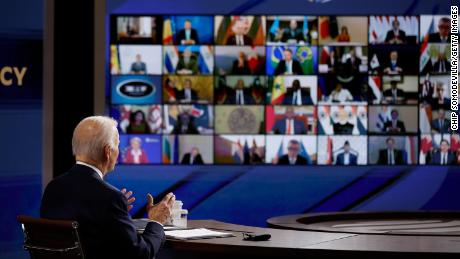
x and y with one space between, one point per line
92 167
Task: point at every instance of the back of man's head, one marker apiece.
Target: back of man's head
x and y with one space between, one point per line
92 135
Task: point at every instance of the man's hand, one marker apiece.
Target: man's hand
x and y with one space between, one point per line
128 197
162 211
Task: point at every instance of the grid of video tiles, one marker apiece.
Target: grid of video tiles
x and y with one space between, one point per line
300 90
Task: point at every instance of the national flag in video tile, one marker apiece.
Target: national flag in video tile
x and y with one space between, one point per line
278 90
375 83
169 30
206 60
305 56
425 146
171 59
166 151
409 149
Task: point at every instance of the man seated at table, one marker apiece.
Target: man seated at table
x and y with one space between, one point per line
394 95
346 157
289 125
292 157
192 158
188 35
390 155
288 66
187 94
81 194
443 156
296 95
239 37
394 125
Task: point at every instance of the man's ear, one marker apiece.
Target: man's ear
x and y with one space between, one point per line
107 153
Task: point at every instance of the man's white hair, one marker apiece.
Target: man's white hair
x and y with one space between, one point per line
92 135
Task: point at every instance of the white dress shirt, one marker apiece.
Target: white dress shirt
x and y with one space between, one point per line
239 97
346 158
341 96
289 67
297 98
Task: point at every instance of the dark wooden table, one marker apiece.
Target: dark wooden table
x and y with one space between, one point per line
311 244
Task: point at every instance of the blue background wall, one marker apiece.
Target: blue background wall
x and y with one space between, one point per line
245 195
21 36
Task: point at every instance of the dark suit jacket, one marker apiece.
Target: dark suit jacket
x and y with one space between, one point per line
231 96
240 70
391 36
180 95
106 228
280 127
436 38
340 160
197 161
191 65
296 68
343 129
284 160
288 34
399 124
181 36
399 94
436 125
437 158
383 157
437 65
232 40
306 98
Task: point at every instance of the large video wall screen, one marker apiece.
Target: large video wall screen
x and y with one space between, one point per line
300 90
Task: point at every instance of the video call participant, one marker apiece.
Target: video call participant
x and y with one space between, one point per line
192 158
138 123
239 36
293 157
441 124
440 101
352 63
390 155
135 154
340 94
290 125
343 36
395 35
240 95
443 33
106 228
241 65
346 157
293 34
333 61
296 95
138 67
394 95
443 156
394 125
427 90
187 35
187 94
393 66
288 66
185 124
440 66
188 64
